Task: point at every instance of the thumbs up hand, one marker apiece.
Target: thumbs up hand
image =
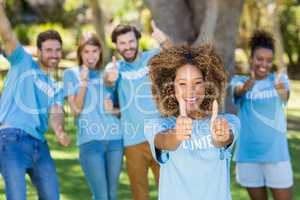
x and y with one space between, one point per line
112 74
219 128
182 130
278 84
183 123
84 75
158 34
280 87
250 82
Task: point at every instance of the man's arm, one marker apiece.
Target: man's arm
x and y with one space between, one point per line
56 120
161 38
6 34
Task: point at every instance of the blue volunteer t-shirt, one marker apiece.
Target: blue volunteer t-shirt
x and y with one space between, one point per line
135 97
93 123
28 94
196 169
263 123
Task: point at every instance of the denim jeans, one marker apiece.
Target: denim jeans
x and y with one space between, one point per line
101 162
20 154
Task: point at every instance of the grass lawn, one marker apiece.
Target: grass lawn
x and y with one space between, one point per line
74 187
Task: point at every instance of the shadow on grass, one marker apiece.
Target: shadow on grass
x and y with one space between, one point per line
293 119
294 145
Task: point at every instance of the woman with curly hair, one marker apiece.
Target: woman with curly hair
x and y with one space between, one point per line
262 155
191 142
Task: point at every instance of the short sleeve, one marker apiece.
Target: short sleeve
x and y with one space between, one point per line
235 82
58 98
19 56
151 128
153 52
71 84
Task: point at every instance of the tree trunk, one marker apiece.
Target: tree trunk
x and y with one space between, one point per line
198 21
98 21
175 18
278 38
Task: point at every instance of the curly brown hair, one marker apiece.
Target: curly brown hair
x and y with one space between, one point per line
163 72
261 39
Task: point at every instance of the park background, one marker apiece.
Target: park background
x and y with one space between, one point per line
229 23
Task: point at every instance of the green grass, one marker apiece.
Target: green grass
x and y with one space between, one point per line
74 187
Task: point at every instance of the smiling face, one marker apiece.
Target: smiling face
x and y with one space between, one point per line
261 62
90 56
189 87
50 54
127 46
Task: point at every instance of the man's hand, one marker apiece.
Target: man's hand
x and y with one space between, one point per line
160 36
112 74
62 138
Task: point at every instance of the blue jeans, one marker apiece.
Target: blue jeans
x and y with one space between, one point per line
20 154
101 162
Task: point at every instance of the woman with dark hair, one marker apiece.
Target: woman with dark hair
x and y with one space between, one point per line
98 137
262 155
191 142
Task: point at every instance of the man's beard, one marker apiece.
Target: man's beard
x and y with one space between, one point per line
47 63
132 58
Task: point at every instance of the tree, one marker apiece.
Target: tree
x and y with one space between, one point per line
98 21
197 21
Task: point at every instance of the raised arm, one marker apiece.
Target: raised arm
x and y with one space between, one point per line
242 89
7 36
172 138
160 36
283 93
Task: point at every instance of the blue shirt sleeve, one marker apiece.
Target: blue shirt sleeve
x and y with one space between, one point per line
19 57
153 52
58 98
151 129
71 84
